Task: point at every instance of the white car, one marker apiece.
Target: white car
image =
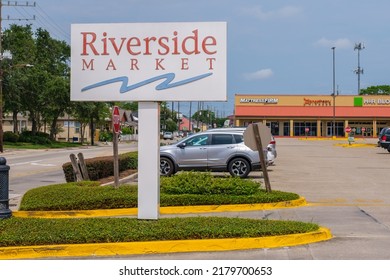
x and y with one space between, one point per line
168 135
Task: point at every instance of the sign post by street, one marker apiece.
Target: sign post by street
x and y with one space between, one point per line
350 136
254 136
116 128
149 63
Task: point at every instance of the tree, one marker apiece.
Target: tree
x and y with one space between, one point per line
132 106
92 113
17 40
43 90
204 116
376 90
53 62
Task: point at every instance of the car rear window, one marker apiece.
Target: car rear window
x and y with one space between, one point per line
222 139
238 138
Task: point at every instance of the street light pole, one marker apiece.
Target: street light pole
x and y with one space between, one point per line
1 85
334 95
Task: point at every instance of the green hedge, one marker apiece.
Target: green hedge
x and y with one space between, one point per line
205 183
9 136
89 195
102 167
27 232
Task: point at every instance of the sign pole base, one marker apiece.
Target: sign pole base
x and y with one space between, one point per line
149 160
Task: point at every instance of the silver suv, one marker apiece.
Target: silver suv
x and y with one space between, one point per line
210 150
271 147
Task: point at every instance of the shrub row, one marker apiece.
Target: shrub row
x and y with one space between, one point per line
89 195
27 232
206 183
27 137
102 167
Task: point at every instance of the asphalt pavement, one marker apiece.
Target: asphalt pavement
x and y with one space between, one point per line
347 192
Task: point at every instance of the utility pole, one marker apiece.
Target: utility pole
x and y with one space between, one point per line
358 71
7 4
334 95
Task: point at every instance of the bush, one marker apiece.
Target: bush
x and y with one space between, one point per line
126 130
105 136
9 136
84 195
33 231
103 167
89 195
40 138
205 183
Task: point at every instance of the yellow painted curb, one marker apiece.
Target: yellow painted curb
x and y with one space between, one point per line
159 247
357 145
163 210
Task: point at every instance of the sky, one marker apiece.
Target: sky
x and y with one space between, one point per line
274 47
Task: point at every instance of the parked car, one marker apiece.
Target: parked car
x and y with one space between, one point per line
271 146
210 150
168 135
384 139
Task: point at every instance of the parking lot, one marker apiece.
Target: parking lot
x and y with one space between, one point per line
347 191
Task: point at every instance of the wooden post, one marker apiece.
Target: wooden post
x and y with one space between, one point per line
83 167
262 157
76 168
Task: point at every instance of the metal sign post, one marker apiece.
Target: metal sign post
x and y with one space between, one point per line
116 129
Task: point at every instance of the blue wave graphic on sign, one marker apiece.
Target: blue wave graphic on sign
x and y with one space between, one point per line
166 84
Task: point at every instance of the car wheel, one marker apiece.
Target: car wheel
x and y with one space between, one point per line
166 167
239 167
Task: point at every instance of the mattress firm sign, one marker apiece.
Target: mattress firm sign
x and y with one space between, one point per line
149 62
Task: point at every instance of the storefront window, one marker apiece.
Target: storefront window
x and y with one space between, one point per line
339 129
357 128
300 128
274 126
286 129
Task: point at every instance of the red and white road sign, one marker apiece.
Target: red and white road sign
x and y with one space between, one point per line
348 129
116 119
363 129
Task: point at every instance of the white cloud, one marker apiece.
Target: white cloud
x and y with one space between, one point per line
342 43
259 75
284 12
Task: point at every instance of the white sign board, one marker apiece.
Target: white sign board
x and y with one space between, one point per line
149 61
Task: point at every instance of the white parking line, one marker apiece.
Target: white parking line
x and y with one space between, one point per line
24 163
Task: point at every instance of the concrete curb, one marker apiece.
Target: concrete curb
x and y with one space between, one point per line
160 247
163 210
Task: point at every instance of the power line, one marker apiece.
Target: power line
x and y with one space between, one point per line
42 20
46 20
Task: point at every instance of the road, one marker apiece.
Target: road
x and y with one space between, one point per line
34 168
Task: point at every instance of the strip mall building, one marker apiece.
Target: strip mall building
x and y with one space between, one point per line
314 115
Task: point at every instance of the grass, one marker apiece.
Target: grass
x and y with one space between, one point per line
26 232
54 145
